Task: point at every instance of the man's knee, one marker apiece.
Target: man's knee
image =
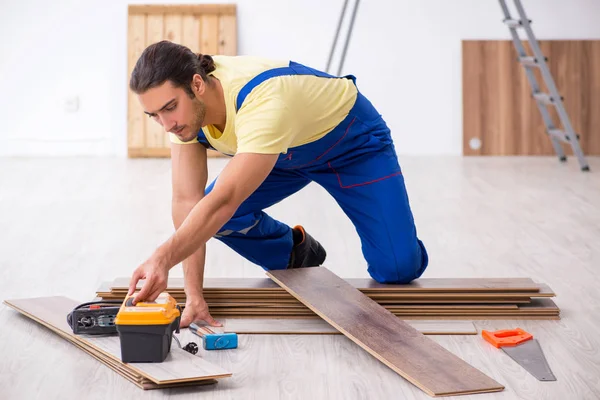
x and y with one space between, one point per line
399 268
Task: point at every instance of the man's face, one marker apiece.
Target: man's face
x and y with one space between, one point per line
174 110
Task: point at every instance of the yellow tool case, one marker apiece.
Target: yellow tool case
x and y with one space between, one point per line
146 329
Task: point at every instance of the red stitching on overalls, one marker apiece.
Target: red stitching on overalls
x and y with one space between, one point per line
329 149
361 184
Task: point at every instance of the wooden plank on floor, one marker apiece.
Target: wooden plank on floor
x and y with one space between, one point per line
180 366
421 285
116 366
136 379
395 343
413 301
317 326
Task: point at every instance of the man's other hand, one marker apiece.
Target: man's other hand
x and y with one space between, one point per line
196 309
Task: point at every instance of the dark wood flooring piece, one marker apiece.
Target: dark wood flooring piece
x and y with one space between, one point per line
405 350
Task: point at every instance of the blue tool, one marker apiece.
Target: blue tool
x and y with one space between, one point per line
215 340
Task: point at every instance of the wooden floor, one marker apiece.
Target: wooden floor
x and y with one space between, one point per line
68 224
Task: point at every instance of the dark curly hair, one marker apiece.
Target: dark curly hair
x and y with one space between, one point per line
168 61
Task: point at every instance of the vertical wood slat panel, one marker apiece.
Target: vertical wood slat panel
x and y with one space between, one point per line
155 33
190 36
174 33
227 39
209 44
472 61
136 123
498 107
209 37
590 62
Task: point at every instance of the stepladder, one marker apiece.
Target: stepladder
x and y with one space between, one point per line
558 133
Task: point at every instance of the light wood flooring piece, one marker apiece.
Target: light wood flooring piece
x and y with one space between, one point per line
178 367
69 224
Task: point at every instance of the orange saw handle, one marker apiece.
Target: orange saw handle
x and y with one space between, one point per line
507 337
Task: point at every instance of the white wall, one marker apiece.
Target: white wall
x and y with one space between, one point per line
406 55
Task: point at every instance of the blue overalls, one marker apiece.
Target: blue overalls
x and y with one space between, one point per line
357 164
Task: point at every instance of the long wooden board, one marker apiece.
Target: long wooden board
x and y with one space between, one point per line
395 343
179 367
317 326
422 285
131 376
396 302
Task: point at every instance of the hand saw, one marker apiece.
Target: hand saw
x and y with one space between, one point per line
522 348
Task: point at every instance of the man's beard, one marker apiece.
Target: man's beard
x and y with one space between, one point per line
199 114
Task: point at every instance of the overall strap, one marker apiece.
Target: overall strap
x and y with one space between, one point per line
203 140
293 69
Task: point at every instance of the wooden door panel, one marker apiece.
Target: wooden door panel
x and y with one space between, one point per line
499 111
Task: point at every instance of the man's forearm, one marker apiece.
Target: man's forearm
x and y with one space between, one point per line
202 222
238 180
193 273
193 266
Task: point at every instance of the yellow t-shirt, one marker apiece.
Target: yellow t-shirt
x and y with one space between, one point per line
280 113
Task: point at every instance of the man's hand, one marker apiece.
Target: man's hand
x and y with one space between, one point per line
196 309
156 274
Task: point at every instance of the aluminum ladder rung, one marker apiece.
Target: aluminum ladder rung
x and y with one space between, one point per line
560 135
531 61
545 98
514 23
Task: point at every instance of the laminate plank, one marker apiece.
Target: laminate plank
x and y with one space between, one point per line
317 326
544 291
384 301
422 285
536 311
517 317
120 368
432 297
406 307
180 366
404 316
136 379
412 355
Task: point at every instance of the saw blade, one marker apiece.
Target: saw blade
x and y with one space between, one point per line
531 357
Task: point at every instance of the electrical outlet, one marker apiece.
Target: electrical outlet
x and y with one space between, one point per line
475 143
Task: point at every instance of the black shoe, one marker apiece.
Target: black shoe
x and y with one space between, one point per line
307 253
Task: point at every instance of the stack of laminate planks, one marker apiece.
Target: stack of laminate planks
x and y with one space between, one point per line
425 298
179 369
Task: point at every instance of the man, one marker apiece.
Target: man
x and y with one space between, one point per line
285 125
